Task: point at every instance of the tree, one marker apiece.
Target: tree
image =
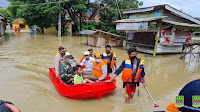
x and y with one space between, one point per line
7 14
108 18
76 10
42 15
45 15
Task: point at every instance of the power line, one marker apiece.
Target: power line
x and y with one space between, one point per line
35 4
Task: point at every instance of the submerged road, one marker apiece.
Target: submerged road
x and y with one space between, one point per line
25 60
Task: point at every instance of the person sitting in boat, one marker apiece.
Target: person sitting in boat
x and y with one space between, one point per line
91 54
58 58
133 73
57 53
87 63
100 68
67 72
78 78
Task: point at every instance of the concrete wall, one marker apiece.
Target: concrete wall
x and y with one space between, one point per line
2 29
51 30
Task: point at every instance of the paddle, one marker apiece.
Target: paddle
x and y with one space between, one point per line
155 105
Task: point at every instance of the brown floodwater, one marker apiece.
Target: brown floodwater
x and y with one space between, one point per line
25 60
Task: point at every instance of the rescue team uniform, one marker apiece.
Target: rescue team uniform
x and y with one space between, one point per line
132 73
100 70
15 29
109 60
67 72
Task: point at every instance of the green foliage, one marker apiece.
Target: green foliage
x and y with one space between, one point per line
129 4
107 20
6 13
44 15
92 25
75 8
41 15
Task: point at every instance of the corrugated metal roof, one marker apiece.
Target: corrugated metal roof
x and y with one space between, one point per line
132 11
17 20
2 17
139 19
87 32
165 6
91 32
142 9
181 24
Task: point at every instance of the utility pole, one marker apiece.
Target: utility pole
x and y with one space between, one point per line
118 9
80 21
59 23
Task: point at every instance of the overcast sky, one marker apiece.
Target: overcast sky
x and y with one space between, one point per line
4 4
191 7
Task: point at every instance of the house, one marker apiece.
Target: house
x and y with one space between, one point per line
20 23
2 27
100 38
158 29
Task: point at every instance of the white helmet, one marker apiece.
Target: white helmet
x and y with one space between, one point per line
86 53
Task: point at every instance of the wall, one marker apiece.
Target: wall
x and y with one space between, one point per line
51 30
2 29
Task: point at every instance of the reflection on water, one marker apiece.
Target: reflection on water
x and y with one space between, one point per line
25 59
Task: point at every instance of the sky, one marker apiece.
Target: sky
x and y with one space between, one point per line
4 4
191 7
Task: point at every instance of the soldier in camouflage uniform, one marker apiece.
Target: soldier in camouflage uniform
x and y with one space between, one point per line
67 72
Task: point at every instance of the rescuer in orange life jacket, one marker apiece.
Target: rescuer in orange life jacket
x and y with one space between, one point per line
109 58
133 73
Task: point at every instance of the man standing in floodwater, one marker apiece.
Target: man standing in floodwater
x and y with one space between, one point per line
133 73
109 58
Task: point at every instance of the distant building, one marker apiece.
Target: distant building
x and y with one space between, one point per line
2 27
158 29
100 38
20 23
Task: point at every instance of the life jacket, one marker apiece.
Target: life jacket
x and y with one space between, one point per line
127 71
97 69
18 29
57 53
15 29
105 59
82 58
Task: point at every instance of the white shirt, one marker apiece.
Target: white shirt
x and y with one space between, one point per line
88 64
57 63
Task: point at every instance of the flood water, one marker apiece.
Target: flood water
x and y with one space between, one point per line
25 61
